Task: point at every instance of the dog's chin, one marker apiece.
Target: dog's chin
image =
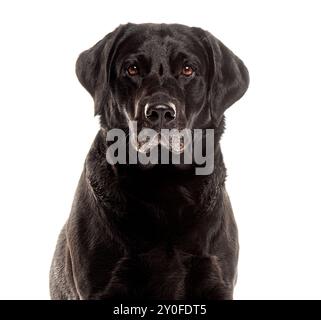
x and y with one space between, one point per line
158 163
164 167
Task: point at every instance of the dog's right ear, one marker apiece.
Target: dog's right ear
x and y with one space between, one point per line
93 68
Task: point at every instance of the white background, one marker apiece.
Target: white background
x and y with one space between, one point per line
271 145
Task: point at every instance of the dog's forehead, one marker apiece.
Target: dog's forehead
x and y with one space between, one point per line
160 39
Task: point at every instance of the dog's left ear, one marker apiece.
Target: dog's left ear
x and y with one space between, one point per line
229 78
93 68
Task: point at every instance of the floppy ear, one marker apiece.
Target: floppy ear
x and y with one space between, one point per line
93 67
229 78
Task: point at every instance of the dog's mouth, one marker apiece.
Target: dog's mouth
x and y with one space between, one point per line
175 141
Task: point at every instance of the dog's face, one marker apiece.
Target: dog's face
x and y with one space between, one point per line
162 77
159 77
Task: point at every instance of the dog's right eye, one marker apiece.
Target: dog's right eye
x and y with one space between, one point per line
132 70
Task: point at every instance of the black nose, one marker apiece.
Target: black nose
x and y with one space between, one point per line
160 113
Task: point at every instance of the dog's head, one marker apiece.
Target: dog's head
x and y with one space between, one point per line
162 76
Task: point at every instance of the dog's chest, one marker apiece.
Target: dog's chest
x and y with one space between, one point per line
158 275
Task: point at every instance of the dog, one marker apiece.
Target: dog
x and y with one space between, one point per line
157 231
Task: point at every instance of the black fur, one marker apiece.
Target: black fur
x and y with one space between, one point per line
162 232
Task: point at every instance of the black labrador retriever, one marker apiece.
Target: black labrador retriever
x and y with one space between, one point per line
152 231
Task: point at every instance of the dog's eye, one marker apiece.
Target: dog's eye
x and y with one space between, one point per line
132 70
187 71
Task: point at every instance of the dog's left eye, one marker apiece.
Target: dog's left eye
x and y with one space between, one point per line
187 71
132 70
